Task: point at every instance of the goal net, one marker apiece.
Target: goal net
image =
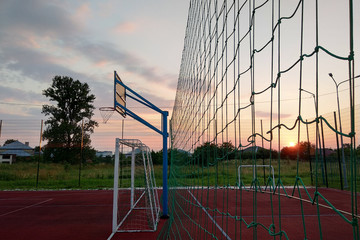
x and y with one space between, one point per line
136 203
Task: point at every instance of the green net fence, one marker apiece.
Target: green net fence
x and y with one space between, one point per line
263 142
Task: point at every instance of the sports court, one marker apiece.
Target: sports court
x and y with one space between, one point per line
87 215
261 140
239 218
76 214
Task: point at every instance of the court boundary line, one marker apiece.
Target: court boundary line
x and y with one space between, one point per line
307 201
211 218
283 195
26 207
285 215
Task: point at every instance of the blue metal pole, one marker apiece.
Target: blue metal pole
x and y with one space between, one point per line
165 165
163 132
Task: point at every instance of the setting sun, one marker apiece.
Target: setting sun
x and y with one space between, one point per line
291 144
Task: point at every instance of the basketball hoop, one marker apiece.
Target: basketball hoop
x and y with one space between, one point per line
106 113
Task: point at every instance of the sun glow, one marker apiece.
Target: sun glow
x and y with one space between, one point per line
291 144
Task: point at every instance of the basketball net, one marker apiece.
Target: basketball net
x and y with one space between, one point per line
106 113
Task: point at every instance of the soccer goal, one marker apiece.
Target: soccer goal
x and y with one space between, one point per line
136 205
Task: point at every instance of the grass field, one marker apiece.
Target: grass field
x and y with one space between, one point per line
22 175
226 173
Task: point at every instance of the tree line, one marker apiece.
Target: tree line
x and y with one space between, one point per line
210 153
69 125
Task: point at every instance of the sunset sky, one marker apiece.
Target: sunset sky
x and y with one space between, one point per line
88 40
142 41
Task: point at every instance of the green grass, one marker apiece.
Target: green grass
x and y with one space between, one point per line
22 175
226 173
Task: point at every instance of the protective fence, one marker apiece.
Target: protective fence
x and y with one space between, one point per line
97 171
24 166
90 167
255 97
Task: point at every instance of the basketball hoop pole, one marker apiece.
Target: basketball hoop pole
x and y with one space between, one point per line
162 132
165 166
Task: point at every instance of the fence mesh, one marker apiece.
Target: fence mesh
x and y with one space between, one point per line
254 89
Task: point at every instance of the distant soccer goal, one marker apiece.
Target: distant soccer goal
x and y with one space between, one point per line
136 205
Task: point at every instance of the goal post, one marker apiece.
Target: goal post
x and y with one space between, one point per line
136 206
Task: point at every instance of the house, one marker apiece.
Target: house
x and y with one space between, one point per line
104 153
129 154
9 152
251 149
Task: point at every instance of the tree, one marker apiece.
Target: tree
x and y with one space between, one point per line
9 141
305 150
206 154
156 157
74 104
227 150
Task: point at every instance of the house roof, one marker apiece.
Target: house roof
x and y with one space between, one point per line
19 153
137 151
250 149
16 146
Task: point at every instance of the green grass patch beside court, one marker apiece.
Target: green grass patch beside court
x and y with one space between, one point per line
23 175
225 173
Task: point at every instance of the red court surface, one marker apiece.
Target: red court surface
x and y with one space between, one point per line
60 215
214 212
88 214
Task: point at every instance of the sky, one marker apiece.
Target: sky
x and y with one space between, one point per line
88 40
143 41
328 27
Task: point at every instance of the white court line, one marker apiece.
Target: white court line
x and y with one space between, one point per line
20 209
285 215
212 219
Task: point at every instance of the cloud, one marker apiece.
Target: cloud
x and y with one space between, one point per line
29 30
8 93
125 27
17 102
34 64
82 14
266 115
104 52
41 39
41 17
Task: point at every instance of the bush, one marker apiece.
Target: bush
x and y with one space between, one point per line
106 159
69 155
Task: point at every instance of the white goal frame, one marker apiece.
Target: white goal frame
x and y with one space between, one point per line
149 190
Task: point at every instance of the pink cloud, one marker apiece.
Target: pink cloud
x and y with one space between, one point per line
101 63
25 39
126 27
82 13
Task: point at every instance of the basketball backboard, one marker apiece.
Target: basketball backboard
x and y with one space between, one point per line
119 95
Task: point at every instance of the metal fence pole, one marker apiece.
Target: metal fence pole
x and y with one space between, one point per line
38 162
338 153
323 150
